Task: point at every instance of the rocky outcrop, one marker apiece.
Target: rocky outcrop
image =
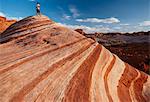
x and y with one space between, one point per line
80 31
4 23
43 61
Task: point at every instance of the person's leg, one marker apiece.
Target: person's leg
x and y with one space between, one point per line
38 12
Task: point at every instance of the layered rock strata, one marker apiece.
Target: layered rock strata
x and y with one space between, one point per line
41 61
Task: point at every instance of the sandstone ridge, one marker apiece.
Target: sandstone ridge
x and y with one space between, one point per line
42 61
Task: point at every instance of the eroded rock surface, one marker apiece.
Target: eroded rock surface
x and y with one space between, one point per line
4 23
41 61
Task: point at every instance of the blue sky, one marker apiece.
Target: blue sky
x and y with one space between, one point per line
90 15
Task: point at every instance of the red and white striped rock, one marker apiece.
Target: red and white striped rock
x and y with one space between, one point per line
42 61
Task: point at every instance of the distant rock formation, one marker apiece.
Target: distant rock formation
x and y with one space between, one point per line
80 31
4 23
42 61
113 39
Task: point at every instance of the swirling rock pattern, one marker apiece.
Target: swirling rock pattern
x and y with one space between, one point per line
41 61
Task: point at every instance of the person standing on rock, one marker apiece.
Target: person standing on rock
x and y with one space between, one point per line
38 9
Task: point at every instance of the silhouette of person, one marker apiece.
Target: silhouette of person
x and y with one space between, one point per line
38 9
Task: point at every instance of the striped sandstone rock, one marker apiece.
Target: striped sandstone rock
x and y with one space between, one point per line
41 61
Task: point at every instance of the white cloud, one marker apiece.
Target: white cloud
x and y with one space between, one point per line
145 23
97 20
87 29
74 11
64 15
2 14
16 18
10 17
117 27
32 0
124 24
101 28
67 17
131 28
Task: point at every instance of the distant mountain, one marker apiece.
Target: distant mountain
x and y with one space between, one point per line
42 61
